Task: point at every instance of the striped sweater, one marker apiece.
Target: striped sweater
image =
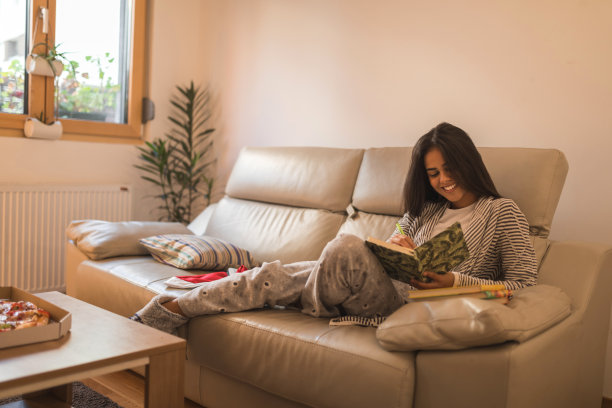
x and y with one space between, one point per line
497 238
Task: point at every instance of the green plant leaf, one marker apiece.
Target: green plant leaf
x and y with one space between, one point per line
179 162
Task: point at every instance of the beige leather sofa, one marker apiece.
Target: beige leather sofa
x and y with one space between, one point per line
286 203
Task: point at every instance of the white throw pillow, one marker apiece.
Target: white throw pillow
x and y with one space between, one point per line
104 239
462 322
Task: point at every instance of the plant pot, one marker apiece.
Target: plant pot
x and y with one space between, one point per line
34 128
36 65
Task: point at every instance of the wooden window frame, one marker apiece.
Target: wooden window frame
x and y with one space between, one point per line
41 88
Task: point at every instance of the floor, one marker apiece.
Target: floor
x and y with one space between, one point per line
126 388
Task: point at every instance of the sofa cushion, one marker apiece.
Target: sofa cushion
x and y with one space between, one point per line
462 322
533 178
540 245
366 225
381 180
123 285
103 239
302 358
379 186
311 177
274 232
197 252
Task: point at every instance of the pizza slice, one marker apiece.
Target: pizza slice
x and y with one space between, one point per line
15 315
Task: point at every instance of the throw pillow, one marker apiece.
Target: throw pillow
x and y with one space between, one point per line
462 322
196 252
104 239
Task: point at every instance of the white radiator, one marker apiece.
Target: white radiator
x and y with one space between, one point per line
33 221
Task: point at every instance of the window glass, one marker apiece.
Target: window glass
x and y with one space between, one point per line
93 38
13 22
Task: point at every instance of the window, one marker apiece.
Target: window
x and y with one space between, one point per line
101 46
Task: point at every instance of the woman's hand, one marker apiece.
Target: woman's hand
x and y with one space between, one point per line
402 240
444 280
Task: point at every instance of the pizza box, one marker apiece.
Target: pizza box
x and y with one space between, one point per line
58 326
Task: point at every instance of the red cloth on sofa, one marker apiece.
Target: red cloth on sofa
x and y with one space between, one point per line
209 277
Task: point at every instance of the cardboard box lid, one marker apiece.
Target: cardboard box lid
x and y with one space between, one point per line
59 325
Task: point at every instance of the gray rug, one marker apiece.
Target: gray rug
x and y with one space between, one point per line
82 397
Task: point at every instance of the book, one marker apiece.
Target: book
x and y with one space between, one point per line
440 254
497 293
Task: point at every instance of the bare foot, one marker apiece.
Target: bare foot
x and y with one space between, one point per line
174 307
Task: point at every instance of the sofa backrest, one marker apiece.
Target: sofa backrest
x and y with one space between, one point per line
286 203
309 177
533 178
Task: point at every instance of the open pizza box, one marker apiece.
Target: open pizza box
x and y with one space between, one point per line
59 324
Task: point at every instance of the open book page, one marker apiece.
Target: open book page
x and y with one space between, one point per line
440 254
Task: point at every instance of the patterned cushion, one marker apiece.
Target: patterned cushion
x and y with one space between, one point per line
196 252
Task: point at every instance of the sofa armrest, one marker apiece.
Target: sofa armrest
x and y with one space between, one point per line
567 358
102 239
583 270
74 257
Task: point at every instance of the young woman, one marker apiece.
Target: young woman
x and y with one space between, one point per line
447 182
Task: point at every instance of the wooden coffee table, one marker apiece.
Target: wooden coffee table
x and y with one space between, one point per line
99 342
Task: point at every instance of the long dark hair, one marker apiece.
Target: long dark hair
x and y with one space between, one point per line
462 159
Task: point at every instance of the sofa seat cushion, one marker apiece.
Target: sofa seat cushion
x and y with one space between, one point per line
303 359
124 284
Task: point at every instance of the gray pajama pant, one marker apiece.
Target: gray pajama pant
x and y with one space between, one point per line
347 279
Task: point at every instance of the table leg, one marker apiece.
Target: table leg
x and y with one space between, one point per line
164 382
63 393
56 397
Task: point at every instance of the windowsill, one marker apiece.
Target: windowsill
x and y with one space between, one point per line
83 131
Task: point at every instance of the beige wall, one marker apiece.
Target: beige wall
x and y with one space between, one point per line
378 73
361 73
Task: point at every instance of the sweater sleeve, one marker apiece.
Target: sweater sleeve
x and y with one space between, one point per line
517 267
407 222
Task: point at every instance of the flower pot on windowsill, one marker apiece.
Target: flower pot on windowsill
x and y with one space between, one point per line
37 65
36 129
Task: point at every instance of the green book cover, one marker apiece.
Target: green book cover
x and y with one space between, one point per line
440 254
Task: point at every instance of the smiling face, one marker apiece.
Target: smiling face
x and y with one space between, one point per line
442 181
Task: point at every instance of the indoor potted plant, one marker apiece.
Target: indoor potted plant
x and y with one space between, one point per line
48 63
178 165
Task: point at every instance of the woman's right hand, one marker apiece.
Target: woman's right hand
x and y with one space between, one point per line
402 240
